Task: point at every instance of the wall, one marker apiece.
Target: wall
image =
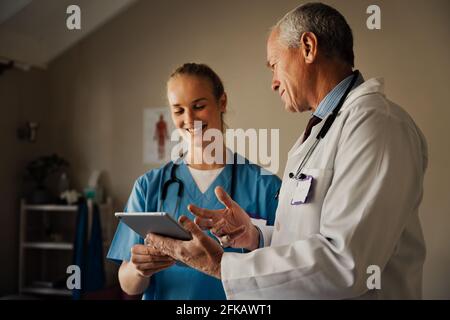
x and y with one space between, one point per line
23 97
99 88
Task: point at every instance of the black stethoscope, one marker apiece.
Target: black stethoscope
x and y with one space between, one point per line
173 179
322 133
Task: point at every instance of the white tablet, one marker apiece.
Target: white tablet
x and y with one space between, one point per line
154 222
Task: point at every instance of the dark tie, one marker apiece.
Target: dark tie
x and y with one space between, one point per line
312 122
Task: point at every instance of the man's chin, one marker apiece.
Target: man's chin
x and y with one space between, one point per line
290 108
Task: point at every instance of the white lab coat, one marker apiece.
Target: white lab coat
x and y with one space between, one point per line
363 210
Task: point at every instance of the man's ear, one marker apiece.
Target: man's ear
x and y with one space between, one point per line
308 47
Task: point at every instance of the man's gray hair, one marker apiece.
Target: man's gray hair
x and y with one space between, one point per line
333 34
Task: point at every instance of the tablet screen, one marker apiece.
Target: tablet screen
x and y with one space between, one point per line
154 222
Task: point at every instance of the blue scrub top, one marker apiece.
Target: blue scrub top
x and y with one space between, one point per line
254 192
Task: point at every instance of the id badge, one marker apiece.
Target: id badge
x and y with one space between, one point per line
302 190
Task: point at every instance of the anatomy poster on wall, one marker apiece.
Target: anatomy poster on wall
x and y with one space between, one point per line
158 128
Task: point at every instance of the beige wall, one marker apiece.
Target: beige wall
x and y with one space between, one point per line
99 88
23 97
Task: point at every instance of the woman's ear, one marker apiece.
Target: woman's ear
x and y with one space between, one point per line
223 103
308 47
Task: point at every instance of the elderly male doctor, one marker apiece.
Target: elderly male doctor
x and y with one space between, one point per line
351 188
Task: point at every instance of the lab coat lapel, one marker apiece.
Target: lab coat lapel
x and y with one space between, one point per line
375 85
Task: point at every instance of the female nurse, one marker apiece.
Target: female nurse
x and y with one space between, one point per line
196 95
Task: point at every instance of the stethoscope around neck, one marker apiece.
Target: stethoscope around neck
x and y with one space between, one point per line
180 192
324 130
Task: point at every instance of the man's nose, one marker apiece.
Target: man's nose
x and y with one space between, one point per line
275 85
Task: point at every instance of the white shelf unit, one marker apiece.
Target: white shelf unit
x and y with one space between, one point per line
46 291
48 245
55 246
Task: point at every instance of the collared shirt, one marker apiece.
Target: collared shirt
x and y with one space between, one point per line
331 100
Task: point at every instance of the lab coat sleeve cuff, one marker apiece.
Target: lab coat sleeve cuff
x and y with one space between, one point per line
265 232
237 274
261 238
228 271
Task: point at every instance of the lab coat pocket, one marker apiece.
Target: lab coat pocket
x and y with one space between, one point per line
305 218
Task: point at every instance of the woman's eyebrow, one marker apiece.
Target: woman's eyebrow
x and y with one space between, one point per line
194 101
199 99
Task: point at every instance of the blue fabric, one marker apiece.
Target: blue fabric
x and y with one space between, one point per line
79 248
88 256
95 271
255 193
331 100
